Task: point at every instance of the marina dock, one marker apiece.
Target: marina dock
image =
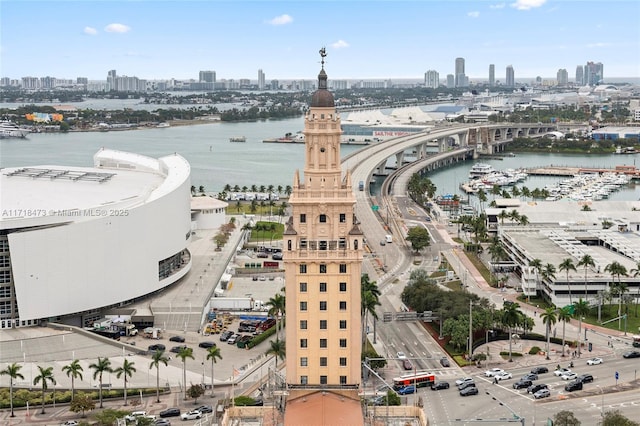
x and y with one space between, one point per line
562 171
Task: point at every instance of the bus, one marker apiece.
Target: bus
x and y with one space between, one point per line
419 379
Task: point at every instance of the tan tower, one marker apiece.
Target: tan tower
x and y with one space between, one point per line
323 259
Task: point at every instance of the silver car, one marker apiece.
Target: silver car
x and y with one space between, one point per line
542 393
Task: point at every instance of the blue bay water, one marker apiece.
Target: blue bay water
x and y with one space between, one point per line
216 162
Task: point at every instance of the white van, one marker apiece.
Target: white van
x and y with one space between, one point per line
389 238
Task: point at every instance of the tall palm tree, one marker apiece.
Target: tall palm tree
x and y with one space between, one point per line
13 371
635 272
369 299
276 306
45 377
549 318
580 309
549 272
617 269
586 261
183 355
102 366
158 358
564 315
536 264
277 348
125 371
73 370
213 353
567 266
511 315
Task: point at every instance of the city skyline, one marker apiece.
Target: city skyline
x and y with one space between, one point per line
157 40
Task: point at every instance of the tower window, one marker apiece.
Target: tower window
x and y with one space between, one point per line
303 268
303 218
323 380
343 380
342 243
343 324
343 361
323 361
303 287
343 343
343 218
343 287
323 287
322 245
343 305
303 306
303 343
303 324
303 361
323 324
323 343
323 218
304 380
323 268
343 268
323 305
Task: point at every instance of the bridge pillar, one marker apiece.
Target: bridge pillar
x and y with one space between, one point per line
442 144
399 159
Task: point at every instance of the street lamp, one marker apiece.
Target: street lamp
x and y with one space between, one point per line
515 416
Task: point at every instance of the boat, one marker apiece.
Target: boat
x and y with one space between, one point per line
480 170
163 125
9 129
626 150
238 139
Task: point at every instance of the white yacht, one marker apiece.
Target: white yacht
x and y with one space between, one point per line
9 129
480 170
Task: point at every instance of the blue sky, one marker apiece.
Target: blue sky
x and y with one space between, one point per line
369 39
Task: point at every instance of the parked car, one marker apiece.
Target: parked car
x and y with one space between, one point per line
573 386
560 371
262 255
407 365
530 376
135 415
594 361
493 372
177 349
440 385
585 378
157 347
503 376
170 412
206 345
407 390
69 423
469 391
191 415
444 361
464 380
539 370
400 355
225 335
162 422
233 339
466 385
277 256
631 354
178 339
205 409
569 376
377 400
535 388
542 393
520 384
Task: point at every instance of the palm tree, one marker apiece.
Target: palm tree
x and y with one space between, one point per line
536 264
617 269
183 355
549 318
586 261
125 371
549 272
567 265
580 309
158 358
213 353
369 299
635 272
45 377
73 370
277 305
102 366
278 349
503 215
511 315
13 371
564 315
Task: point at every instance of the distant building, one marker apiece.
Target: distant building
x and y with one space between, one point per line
593 73
261 80
451 82
580 75
510 80
492 75
432 79
562 77
275 85
461 80
207 77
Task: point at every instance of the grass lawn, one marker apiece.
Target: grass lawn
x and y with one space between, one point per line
263 232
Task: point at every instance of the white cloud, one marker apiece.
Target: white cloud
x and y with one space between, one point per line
497 6
90 31
117 28
281 20
527 4
474 14
340 44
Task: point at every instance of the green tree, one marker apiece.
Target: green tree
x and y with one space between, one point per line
82 403
158 358
586 262
73 370
511 315
369 299
44 377
564 315
565 418
213 353
13 371
277 305
616 418
567 266
102 366
185 353
616 269
126 370
549 318
195 392
580 310
109 416
419 238
278 349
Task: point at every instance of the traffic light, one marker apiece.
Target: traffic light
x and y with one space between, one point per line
590 346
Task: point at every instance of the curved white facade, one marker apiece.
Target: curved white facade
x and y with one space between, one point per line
81 244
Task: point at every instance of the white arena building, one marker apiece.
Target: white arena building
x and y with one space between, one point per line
77 239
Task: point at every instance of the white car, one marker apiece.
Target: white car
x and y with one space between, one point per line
69 423
595 361
561 371
503 376
569 376
493 372
191 415
464 380
401 355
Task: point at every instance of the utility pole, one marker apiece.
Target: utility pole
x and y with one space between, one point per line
470 330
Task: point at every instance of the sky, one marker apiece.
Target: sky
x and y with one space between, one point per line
364 39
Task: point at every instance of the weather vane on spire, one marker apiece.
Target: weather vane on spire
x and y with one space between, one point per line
323 54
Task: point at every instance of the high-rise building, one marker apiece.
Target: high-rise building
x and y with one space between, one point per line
261 80
451 82
207 77
323 251
510 80
492 75
275 85
579 75
432 79
562 77
111 80
593 73
460 75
